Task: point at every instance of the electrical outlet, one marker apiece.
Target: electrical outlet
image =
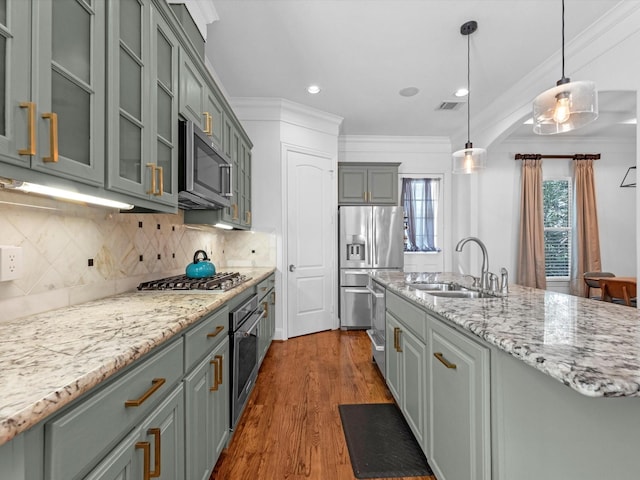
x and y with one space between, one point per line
10 262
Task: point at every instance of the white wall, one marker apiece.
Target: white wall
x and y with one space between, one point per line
417 156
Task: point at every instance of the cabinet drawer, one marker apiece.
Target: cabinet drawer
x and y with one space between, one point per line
265 285
206 335
412 317
74 440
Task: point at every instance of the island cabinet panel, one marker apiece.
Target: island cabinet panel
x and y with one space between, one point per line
155 448
545 429
406 373
459 407
76 439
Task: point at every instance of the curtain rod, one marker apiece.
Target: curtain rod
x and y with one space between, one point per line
577 156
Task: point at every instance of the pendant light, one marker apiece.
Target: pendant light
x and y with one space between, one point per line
469 159
567 106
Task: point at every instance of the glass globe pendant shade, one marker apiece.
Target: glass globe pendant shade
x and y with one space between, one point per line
469 159
565 107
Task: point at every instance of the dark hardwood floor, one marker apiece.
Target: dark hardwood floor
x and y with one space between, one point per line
291 426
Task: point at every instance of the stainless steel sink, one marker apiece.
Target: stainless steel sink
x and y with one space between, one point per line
460 294
436 287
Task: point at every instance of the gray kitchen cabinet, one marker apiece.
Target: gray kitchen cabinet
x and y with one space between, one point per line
153 450
198 102
207 411
406 373
267 298
245 187
459 406
53 52
143 111
16 125
367 184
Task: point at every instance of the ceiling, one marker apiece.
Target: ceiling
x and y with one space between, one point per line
363 52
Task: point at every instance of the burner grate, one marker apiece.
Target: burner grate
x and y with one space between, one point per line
219 282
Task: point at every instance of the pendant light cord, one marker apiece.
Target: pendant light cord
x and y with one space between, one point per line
563 39
469 89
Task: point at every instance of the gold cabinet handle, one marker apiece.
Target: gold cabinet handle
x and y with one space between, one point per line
31 128
247 216
156 383
160 190
152 168
235 211
156 432
53 137
266 308
444 361
219 370
396 339
207 123
214 362
218 329
146 449
273 298
365 196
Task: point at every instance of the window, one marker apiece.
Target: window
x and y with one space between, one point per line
420 199
556 196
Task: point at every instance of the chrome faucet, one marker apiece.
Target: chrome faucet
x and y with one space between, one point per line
484 278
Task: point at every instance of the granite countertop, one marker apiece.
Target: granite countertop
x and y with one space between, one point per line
48 360
591 346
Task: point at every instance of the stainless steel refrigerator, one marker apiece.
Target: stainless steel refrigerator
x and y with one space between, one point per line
371 238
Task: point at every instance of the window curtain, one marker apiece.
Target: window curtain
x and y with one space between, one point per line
531 260
586 236
420 199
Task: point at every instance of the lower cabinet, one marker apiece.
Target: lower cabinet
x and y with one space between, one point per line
153 450
459 406
266 329
207 412
407 374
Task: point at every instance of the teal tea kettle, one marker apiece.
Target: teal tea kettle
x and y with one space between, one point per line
201 267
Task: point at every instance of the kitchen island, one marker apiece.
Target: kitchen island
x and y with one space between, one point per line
555 395
50 360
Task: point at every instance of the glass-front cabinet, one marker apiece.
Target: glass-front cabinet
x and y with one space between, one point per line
53 84
142 121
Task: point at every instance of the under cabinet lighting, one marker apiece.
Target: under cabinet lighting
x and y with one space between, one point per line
59 193
223 226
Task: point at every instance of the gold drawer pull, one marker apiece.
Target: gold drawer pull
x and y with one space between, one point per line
218 329
31 127
152 191
235 211
156 383
214 362
207 123
157 452
266 308
53 137
219 371
160 191
146 449
444 361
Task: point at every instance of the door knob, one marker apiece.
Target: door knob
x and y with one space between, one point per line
292 268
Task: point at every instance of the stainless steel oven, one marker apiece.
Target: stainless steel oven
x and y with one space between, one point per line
377 333
244 323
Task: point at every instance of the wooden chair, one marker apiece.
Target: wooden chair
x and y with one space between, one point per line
591 280
617 288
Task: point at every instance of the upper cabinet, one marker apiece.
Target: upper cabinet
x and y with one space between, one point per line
143 108
54 87
367 183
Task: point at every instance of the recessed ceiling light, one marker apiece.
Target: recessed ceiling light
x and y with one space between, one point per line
461 92
409 91
313 89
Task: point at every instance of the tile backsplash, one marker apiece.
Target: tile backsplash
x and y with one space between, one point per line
74 253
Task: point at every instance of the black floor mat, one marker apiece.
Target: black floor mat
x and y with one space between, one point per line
381 444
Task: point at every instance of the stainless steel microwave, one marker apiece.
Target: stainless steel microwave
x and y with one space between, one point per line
204 176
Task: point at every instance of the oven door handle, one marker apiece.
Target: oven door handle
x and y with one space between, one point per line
374 293
248 331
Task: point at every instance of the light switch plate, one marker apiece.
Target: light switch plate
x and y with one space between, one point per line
10 262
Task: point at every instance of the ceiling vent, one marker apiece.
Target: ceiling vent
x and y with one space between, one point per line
449 105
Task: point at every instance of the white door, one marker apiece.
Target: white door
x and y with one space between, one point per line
311 240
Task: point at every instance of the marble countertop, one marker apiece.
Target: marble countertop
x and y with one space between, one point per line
591 346
48 360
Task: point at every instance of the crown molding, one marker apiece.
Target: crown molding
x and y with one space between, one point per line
394 144
282 110
203 13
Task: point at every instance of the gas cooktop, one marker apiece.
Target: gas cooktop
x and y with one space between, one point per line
219 283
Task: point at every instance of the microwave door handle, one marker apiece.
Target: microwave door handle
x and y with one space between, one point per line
226 192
